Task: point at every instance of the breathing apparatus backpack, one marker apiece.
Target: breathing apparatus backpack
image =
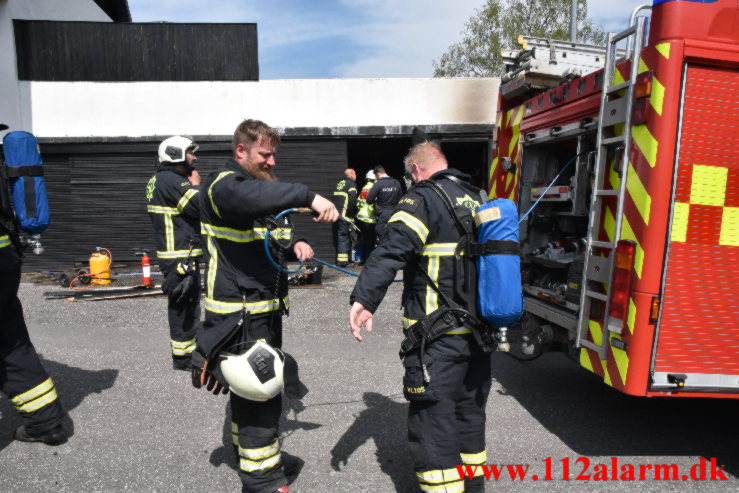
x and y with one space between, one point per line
26 180
487 274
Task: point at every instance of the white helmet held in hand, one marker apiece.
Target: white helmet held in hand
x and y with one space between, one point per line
257 373
174 149
370 175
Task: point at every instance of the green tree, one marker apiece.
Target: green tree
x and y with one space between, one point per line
497 25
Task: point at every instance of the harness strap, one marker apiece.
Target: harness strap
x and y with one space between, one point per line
495 247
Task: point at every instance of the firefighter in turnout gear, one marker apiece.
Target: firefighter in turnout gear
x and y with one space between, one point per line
172 195
245 294
22 377
366 218
384 195
345 200
448 381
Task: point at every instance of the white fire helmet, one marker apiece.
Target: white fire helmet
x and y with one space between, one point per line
174 149
257 373
370 175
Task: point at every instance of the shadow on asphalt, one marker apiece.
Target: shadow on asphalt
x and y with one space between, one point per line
595 420
384 421
73 386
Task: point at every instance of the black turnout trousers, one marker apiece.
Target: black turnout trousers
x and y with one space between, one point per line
446 416
22 377
184 317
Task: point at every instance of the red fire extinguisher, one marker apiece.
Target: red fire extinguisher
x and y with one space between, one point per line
146 269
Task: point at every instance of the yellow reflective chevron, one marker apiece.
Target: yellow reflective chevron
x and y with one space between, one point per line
264 306
35 398
412 222
4 241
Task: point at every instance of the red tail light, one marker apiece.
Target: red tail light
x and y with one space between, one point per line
621 285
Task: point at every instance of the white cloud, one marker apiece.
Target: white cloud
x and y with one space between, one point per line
613 15
402 38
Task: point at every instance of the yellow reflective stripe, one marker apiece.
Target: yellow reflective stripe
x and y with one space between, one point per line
478 458
212 266
250 465
185 199
342 257
235 433
196 252
182 348
160 209
456 487
261 452
169 232
33 393
407 322
235 306
439 249
37 404
438 476
4 241
346 202
412 222
459 331
210 191
432 299
237 235
279 233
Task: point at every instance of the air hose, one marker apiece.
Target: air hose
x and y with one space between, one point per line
294 271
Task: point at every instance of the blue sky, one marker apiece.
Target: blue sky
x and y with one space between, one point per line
349 38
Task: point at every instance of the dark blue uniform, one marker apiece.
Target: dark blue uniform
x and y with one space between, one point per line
174 212
345 200
384 195
22 377
234 209
446 417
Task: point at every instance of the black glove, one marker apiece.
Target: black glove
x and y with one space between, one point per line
182 290
205 372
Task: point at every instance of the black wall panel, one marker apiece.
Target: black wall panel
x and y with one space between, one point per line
104 51
98 199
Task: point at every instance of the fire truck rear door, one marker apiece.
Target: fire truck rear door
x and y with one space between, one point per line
697 341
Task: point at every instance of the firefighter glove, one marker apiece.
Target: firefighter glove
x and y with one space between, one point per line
206 373
182 290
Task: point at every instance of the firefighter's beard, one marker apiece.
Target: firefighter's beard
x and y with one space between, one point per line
266 174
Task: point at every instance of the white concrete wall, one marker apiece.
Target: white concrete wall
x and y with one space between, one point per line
14 105
90 109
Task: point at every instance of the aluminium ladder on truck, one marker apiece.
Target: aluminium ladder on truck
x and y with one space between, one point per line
615 109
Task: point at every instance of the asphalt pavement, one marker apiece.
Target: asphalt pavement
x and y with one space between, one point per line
138 425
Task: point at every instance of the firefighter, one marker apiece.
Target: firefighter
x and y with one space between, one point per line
384 195
22 377
366 218
172 195
245 294
448 383
345 199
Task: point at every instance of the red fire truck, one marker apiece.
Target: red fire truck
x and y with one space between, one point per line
624 163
